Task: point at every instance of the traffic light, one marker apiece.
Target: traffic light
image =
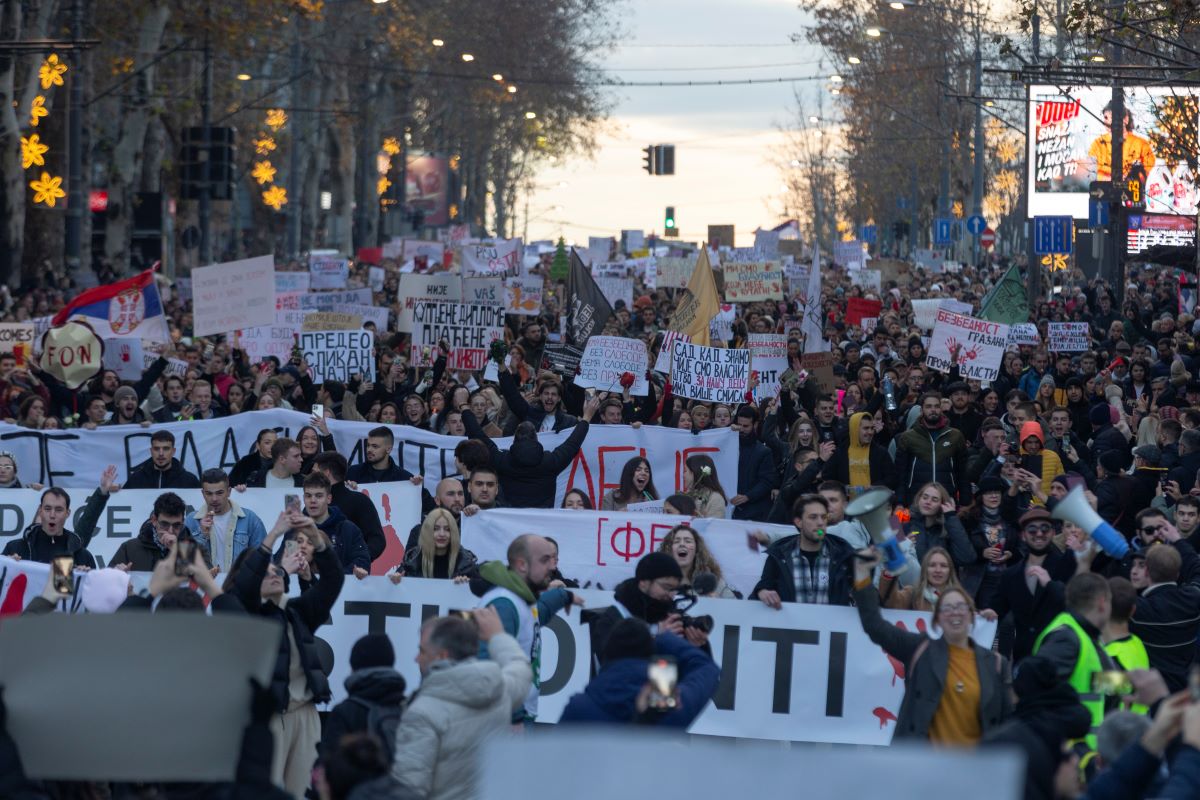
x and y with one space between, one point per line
666 159
651 160
669 222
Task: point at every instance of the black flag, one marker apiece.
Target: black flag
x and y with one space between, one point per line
588 309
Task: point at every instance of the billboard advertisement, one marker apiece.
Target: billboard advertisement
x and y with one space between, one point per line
1070 146
428 189
1151 230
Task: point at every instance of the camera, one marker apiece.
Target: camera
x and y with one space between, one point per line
683 604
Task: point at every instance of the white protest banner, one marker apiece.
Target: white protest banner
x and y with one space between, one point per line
523 296
236 294
373 314
482 292
17 338
416 289
497 258
617 269
662 362
425 251
759 280
325 301
336 355
468 329
925 311
711 374
1024 333
267 340
398 505
768 358
615 289
870 279
674 273
375 276
980 345
721 326
607 358
1068 337
292 282
124 357
328 270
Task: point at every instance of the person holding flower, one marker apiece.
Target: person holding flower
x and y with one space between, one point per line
701 483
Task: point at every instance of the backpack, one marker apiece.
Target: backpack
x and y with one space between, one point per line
381 721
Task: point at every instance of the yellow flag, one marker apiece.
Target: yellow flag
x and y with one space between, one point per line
701 304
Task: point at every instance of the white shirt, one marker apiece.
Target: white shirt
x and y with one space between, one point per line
271 482
221 529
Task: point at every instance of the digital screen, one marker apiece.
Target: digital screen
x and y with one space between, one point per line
1151 230
1070 146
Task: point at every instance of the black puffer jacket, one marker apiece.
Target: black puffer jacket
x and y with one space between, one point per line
383 686
36 545
303 614
148 476
528 474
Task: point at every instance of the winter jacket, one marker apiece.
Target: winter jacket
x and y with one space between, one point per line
35 545
756 478
1032 612
1167 620
365 473
883 471
949 534
359 509
347 541
143 551
528 473
466 564
1039 727
1114 494
246 466
148 476
1185 471
382 686
460 705
611 696
1109 438
794 484
248 530
924 455
777 570
302 615
525 412
926 662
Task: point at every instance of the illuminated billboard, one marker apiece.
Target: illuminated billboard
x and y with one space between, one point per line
1151 230
1070 146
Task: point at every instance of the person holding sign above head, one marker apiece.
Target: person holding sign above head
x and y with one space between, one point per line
636 486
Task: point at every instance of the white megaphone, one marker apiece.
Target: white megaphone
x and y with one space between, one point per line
1075 508
874 512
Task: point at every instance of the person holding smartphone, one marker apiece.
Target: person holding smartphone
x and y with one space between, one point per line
157 536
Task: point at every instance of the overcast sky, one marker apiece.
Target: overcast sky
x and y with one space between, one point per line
723 135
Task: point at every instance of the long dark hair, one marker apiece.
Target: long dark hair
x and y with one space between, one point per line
696 465
625 492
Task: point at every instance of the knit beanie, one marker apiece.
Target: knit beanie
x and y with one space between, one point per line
124 391
103 590
629 638
658 565
372 650
1098 416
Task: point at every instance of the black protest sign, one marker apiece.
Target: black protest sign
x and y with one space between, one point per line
587 308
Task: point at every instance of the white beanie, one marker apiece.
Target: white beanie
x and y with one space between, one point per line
103 591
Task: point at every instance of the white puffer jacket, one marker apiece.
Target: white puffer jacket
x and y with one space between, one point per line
460 704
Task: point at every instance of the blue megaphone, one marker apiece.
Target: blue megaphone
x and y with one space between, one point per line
1075 508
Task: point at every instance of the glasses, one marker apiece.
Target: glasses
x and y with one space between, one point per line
1150 530
168 527
1039 529
956 608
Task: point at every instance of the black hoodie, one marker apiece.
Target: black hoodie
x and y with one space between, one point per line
528 473
381 686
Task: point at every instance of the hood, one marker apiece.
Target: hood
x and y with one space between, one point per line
1033 429
615 688
148 466
856 423
471 683
497 573
382 685
526 453
147 538
331 522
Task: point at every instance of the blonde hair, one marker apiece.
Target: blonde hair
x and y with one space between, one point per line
429 549
939 518
951 579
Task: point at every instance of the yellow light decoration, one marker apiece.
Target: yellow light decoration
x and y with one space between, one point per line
391 146
38 110
957 210
33 152
1006 180
263 172
383 164
276 118
275 197
122 65
51 72
1056 262
263 145
382 185
47 189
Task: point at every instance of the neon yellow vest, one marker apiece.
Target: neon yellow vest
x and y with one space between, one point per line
1087 663
1131 654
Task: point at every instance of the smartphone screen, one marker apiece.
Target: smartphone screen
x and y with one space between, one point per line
184 553
290 547
318 411
62 567
1111 682
291 502
663 674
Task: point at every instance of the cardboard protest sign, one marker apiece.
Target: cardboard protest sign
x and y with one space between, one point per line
325 301
523 296
236 294
1068 337
768 358
469 330
662 362
336 355
711 374
483 291
331 321
298 282
496 258
1024 333
423 253
980 345
615 289
858 308
124 357
673 272
721 326
562 359
415 289
607 358
17 338
599 249
759 280
328 270
633 240
267 340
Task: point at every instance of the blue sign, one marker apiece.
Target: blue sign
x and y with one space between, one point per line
869 234
1097 213
1053 235
976 224
943 230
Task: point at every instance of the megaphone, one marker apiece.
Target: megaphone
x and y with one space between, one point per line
874 512
1075 508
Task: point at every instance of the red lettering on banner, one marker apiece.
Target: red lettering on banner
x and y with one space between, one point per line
628 541
596 491
622 541
681 457
579 462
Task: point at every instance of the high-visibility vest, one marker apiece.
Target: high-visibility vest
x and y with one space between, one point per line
1087 663
1130 653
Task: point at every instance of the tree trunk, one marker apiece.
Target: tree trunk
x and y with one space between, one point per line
12 177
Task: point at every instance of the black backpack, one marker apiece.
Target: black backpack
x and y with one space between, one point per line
381 721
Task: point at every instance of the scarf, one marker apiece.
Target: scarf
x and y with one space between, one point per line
859 454
640 604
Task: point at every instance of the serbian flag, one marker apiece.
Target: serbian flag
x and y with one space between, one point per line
129 308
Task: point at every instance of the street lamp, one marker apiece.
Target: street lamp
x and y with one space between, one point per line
530 115
437 43
242 76
854 60
496 76
835 78
874 31
512 89
468 57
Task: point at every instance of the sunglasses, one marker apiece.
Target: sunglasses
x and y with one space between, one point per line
1039 528
1150 530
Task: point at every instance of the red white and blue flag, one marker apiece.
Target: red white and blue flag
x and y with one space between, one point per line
131 308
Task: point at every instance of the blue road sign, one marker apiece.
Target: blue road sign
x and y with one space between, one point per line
1097 213
976 224
1053 235
943 230
869 234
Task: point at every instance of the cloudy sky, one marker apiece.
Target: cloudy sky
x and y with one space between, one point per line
723 135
